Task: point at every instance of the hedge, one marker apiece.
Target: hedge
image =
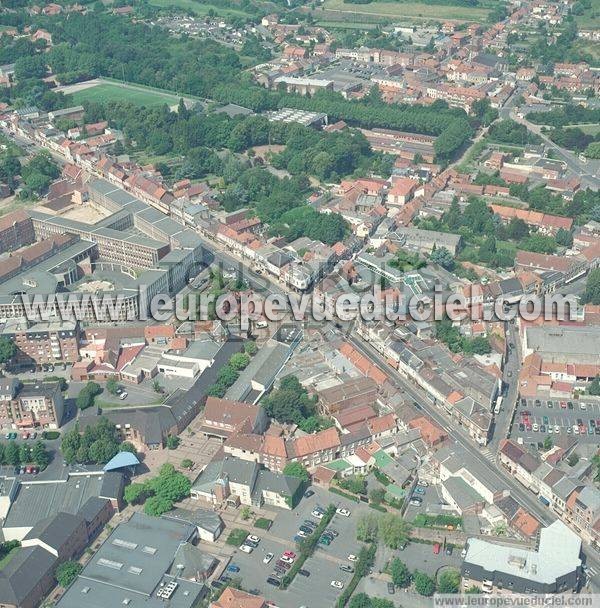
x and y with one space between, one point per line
344 494
377 507
366 557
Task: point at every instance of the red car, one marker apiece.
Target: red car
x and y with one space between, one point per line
290 554
25 436
563 404
436 548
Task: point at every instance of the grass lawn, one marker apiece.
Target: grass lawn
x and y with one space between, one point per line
236 537
103 93
591 129
4 561
409 9
346 25
201 9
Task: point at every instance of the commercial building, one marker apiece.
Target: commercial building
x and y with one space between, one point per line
555 567
16 230
137 567
31 405
40 343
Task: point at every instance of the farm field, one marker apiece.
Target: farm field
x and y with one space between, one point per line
105 92
201 9
408 9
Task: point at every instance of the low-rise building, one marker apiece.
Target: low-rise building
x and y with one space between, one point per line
554 567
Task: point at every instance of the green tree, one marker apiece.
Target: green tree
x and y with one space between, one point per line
250 348
157 505
7 349
442 257
136 493
400 573
39 455
591 295
564 237
424 584
112 386
173 442
393 530
548 443
11 453
186 463
377 495
473 589
354 483
239 361
127 446
156 387
367 527
448 581
296 469
594 386
67 572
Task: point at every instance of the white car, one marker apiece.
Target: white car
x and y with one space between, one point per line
268 557
252 538
343 512
423 484
583 405
575 429
352 558
123 395
317 514
246 548
302 534
550 430
337 584
535 427
286 559
557 429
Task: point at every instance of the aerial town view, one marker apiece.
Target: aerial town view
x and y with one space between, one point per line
299 303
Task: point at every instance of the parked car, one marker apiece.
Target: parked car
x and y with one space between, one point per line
287 560
233 568
333 532
419 490
268 557
123 395
449 550
308 493
252 538
344 512
415 502
337 584
324 540
352 558
246 548
346 568
304 572
391 588
317 514
436 548
273 580
302 534
423 484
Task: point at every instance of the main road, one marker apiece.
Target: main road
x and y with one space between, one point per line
462 439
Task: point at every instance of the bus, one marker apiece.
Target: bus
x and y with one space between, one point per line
498 405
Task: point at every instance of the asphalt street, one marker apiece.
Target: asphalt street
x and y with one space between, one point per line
486 458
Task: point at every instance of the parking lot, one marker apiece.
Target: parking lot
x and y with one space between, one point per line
324 566
538 418
431 505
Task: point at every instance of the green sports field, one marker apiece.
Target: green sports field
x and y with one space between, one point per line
397 10
105 92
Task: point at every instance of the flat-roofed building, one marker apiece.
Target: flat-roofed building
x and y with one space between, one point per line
554 567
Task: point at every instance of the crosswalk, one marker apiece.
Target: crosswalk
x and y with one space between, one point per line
488 455
591 572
